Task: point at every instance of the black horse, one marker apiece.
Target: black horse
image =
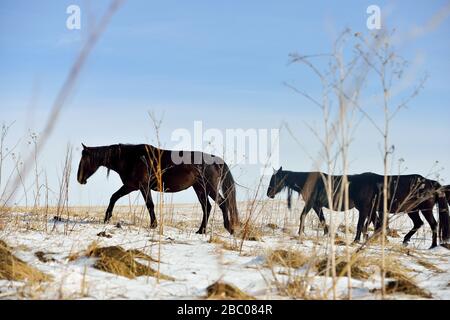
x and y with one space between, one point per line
312 187
409 194
144 167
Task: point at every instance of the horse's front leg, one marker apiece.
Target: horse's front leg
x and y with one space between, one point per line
123 191
146 193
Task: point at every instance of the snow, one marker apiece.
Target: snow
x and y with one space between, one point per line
192 260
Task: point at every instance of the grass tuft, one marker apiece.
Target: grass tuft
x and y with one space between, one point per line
286 258
14 269
116 260
224 291
341 268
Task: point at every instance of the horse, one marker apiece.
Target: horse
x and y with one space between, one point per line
312 187
145 168
411 194
407 193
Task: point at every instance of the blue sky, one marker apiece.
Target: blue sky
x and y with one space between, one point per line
220 62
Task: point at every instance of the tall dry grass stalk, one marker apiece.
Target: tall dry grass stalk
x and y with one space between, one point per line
389 68
65 92
341 84
63 197
157 172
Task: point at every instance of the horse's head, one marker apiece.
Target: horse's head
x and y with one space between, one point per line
276 184
88 166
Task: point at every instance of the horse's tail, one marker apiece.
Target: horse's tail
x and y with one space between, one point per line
229 193
444 217
289 198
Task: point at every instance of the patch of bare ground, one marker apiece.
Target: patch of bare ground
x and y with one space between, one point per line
42 256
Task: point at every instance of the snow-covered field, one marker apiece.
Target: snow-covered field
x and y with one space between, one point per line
195 262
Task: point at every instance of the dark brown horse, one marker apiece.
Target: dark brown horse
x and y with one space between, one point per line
144 167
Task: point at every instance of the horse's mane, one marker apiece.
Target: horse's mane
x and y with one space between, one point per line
104 154
289 188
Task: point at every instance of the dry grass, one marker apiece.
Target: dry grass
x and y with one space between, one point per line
351 229
116 260
393 233
250 233
224 291
227 245
286 258
339 241
401 282
341 268
272 226
430 266
14 269
406 286
296 288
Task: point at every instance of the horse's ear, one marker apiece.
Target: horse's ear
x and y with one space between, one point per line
281 169
86 149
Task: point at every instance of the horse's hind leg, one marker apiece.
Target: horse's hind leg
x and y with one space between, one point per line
428 214
373 218
418 223
123 191
206 206
223 207
150 207
363 215
319 211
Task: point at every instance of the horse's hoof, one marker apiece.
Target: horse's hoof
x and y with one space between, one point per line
154 225
405 244
432 246
201 231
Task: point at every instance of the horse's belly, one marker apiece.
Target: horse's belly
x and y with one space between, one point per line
179 179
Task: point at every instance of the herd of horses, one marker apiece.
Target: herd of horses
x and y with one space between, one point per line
145 168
